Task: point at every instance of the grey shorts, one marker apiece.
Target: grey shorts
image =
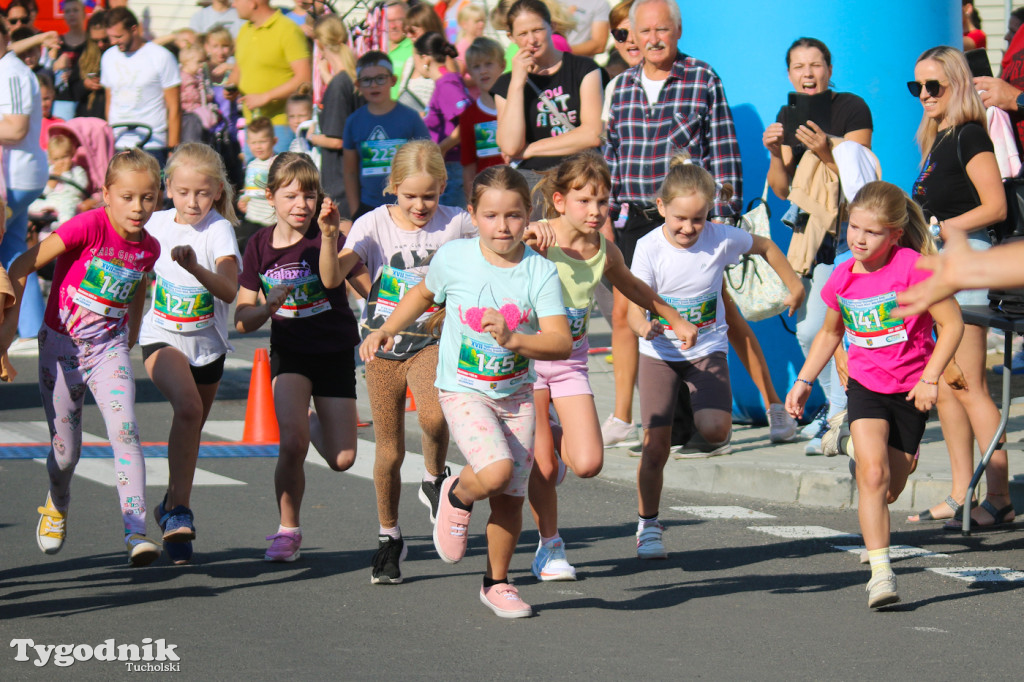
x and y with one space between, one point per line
660 381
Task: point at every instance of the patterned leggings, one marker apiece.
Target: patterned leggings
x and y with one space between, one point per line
66 367
386 381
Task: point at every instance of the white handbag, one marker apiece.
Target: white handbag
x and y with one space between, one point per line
756 288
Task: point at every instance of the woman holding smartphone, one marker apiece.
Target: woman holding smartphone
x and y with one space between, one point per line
809 66
960 187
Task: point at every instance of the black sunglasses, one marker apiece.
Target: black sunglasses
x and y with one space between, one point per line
620 34
17 20
932 87
367 81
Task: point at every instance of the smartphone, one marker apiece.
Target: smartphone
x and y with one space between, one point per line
230 87
977 61
92 75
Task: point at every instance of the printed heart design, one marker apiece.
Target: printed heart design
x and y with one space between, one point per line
513 317
473 318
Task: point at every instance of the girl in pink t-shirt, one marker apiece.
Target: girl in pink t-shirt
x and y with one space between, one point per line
91 322
894 365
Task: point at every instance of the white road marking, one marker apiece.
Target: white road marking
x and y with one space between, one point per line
803 532
982 574
896 551
102 471
723 512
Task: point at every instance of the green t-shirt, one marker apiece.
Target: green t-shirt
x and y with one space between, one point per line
399 56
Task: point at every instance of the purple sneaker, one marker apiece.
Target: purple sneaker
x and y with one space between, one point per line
284 546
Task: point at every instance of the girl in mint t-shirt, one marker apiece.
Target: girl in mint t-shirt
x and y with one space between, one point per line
504 309
185 333
894 365
91 322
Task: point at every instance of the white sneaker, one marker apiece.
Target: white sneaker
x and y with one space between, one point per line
813 447
618 434
141 550
550 564
781 427
881 590
24 347
832 441
649 544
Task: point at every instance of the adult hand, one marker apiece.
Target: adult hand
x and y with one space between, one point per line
254 101
185 256
941 285
523 63
997 93
330 219
772 139
815 139
92 84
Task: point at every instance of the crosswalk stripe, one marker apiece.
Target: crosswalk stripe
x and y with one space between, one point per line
102 471
803 532
896 551
723 512
982 574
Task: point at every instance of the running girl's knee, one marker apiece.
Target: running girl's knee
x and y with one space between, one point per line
293 446
495 478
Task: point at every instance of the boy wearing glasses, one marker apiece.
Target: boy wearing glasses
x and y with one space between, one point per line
373 133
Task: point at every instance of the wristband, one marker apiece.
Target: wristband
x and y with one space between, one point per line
930 383
809 383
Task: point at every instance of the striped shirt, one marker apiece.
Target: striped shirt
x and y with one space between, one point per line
691 113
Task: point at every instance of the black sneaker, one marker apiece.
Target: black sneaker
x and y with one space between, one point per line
387 561
430 493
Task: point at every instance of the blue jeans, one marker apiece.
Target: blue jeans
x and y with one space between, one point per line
811 319
454 194
12 246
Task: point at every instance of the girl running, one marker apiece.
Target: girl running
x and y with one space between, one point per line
684 262
91 322
576 194
397 242
290 276
185 333
506 310
894 365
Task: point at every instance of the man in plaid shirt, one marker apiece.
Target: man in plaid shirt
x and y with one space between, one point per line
668 103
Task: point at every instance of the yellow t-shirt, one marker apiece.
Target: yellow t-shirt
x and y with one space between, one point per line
264 55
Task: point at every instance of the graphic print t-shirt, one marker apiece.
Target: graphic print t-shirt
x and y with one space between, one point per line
95 279
563 89
376 139
397 260
943 188
469 360
313 319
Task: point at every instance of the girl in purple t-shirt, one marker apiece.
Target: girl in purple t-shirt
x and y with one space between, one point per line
449 100
894 365
91 322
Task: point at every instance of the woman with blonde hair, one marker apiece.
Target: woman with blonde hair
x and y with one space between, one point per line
960 190
338 69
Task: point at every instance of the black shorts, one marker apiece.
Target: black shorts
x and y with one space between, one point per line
640 222
205 375
906 422
333 375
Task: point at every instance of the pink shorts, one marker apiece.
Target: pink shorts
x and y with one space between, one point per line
564 378
488 430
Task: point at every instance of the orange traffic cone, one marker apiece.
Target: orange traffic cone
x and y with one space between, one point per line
260 419
411 407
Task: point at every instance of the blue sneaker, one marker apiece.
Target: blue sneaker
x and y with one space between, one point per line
179 553
818 426
177 524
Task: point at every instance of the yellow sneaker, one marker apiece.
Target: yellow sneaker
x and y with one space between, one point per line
52 527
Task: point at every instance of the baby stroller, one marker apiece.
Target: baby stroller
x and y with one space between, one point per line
95 147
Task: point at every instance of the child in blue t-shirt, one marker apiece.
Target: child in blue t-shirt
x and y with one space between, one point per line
505 309
373 133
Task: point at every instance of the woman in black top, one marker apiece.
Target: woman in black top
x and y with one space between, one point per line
528 129
960 188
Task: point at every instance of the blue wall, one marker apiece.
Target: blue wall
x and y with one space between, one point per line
874 46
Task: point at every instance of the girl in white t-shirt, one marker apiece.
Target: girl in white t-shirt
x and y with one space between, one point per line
184 334
396 242
684 262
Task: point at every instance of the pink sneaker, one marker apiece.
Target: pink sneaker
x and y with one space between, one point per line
504 600
285 546
452 527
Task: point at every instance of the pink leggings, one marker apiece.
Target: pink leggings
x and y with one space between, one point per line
66 367
488 430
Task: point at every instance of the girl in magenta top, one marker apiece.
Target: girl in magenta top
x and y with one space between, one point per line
91 322
446 105
894 365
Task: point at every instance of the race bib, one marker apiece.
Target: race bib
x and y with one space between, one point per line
486 139
394 282
701 311
578 322
869 322
375 156
179 308
107 289
307 298
489 367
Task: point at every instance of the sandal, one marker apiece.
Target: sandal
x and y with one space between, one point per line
998 518
927 515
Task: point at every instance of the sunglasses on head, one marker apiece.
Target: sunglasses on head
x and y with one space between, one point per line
367 81
932 87
620 34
